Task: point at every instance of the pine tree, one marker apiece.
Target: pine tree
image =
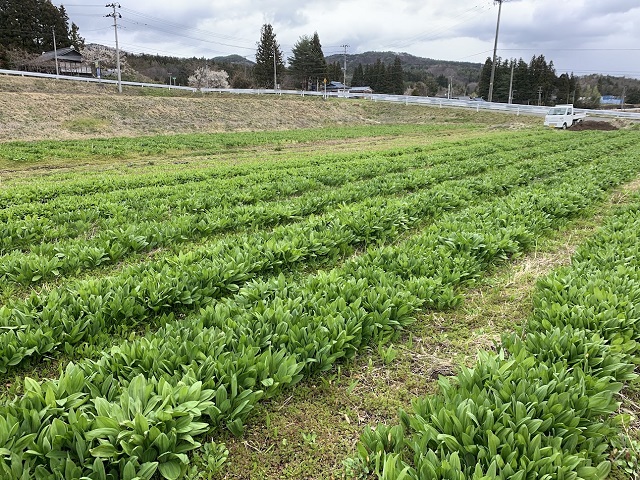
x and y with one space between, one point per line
319 63
358 77
334 72
307 64
397 77
501 81
521 83
267 48
74 37
28 25
377 77
368 76
485 79
301 62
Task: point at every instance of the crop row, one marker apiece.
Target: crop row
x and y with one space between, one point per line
137 409
82 311
197 144
71 215
545 405
47 197
44 190
49 260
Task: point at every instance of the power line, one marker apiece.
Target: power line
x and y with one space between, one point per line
182 26
163 30
437 33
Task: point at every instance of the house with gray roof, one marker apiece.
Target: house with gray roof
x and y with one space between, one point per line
70 62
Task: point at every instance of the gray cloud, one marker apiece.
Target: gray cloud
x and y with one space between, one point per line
581 35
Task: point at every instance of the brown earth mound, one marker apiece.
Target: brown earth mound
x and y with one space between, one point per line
593 125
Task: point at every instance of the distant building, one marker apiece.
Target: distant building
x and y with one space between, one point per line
70 62
336 87
610 100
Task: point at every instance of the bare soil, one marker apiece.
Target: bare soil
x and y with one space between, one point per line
594 125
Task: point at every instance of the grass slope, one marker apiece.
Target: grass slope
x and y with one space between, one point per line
35 109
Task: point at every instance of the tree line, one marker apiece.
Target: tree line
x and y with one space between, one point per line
534 83
28 27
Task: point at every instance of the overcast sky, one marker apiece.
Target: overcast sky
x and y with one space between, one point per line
580 36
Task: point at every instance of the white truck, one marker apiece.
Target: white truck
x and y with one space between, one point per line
562 116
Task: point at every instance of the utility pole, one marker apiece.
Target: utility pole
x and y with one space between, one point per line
624 93
495 50
539 96
275 81
511 84
170 80
55 51
345 46
115 29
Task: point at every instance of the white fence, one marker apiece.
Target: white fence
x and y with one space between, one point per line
431 101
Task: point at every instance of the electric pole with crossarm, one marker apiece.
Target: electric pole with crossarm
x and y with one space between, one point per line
115 16
345 64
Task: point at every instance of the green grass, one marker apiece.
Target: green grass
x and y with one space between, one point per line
189 145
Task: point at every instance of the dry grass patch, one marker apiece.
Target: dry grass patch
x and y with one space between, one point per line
37 109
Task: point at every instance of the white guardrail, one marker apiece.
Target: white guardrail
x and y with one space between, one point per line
431 101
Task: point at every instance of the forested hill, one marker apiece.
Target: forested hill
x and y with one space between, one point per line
463 71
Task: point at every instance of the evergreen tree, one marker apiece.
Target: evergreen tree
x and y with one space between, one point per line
590 98
319 63
301 63
267 48
29 25
633 96
307 64
358 77
501 81
543 79
442 81
521 84
485 79
375 76
334 72
397 77
368 76
74 37
564 89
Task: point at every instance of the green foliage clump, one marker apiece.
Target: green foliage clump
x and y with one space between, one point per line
546 404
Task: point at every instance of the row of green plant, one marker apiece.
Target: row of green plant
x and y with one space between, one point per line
140 294
136 410
69 214
118 177
76 215
49 260
545 405
198 143
142 192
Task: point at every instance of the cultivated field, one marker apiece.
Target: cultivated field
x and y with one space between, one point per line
281 304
